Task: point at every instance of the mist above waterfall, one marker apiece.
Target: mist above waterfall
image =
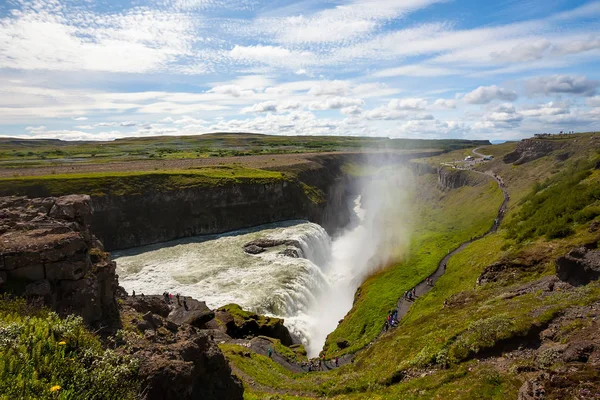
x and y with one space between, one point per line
378 236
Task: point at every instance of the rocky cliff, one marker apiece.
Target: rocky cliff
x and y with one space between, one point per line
49 255
316 190
449 178
532 149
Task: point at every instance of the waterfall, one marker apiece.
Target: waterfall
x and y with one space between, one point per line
312 293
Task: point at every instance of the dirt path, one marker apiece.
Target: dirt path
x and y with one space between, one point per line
478 153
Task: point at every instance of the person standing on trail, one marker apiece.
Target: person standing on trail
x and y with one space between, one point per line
414 293
133 294
185 306
270 352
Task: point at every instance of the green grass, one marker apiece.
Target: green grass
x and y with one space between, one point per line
17 153
555 207
43 356
122 183
442 222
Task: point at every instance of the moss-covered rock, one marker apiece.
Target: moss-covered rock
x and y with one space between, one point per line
242 324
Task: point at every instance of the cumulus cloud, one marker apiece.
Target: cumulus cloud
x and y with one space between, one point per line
562 84
271 106
487 94
407 104
334 103
444 103
330 88
231 90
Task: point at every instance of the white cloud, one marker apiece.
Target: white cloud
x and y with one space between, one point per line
593 101
128 123
79 119
271 55
330 88
486 94
407 104
75 40
421 70
352 110
271 106
35 128
557 84
231 90
445 103
334 103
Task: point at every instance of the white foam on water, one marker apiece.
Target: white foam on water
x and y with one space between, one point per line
217 270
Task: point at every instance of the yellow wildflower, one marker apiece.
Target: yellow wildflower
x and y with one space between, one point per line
55 388
62 343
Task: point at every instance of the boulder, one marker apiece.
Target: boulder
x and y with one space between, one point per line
579 267
243 324
154 304
197 314
74 207
253 249
192 367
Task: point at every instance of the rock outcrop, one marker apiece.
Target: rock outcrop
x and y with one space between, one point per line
178 361
531 149
49 255
243 324
450 178
580 266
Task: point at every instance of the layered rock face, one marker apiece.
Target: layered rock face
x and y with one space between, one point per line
531 149
49 255
449 178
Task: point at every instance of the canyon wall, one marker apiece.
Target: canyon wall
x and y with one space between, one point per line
316 190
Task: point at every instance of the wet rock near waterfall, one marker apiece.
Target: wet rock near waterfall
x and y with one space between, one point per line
261 245
580 266
291 252
253 249
240 324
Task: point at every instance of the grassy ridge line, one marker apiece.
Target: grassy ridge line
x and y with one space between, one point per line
124 183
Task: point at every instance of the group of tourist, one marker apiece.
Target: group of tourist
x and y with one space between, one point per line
391 321
168 298
411 295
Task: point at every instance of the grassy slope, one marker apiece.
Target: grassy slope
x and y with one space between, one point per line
442 221
121 183
433 335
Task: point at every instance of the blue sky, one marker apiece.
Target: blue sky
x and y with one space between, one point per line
500 69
